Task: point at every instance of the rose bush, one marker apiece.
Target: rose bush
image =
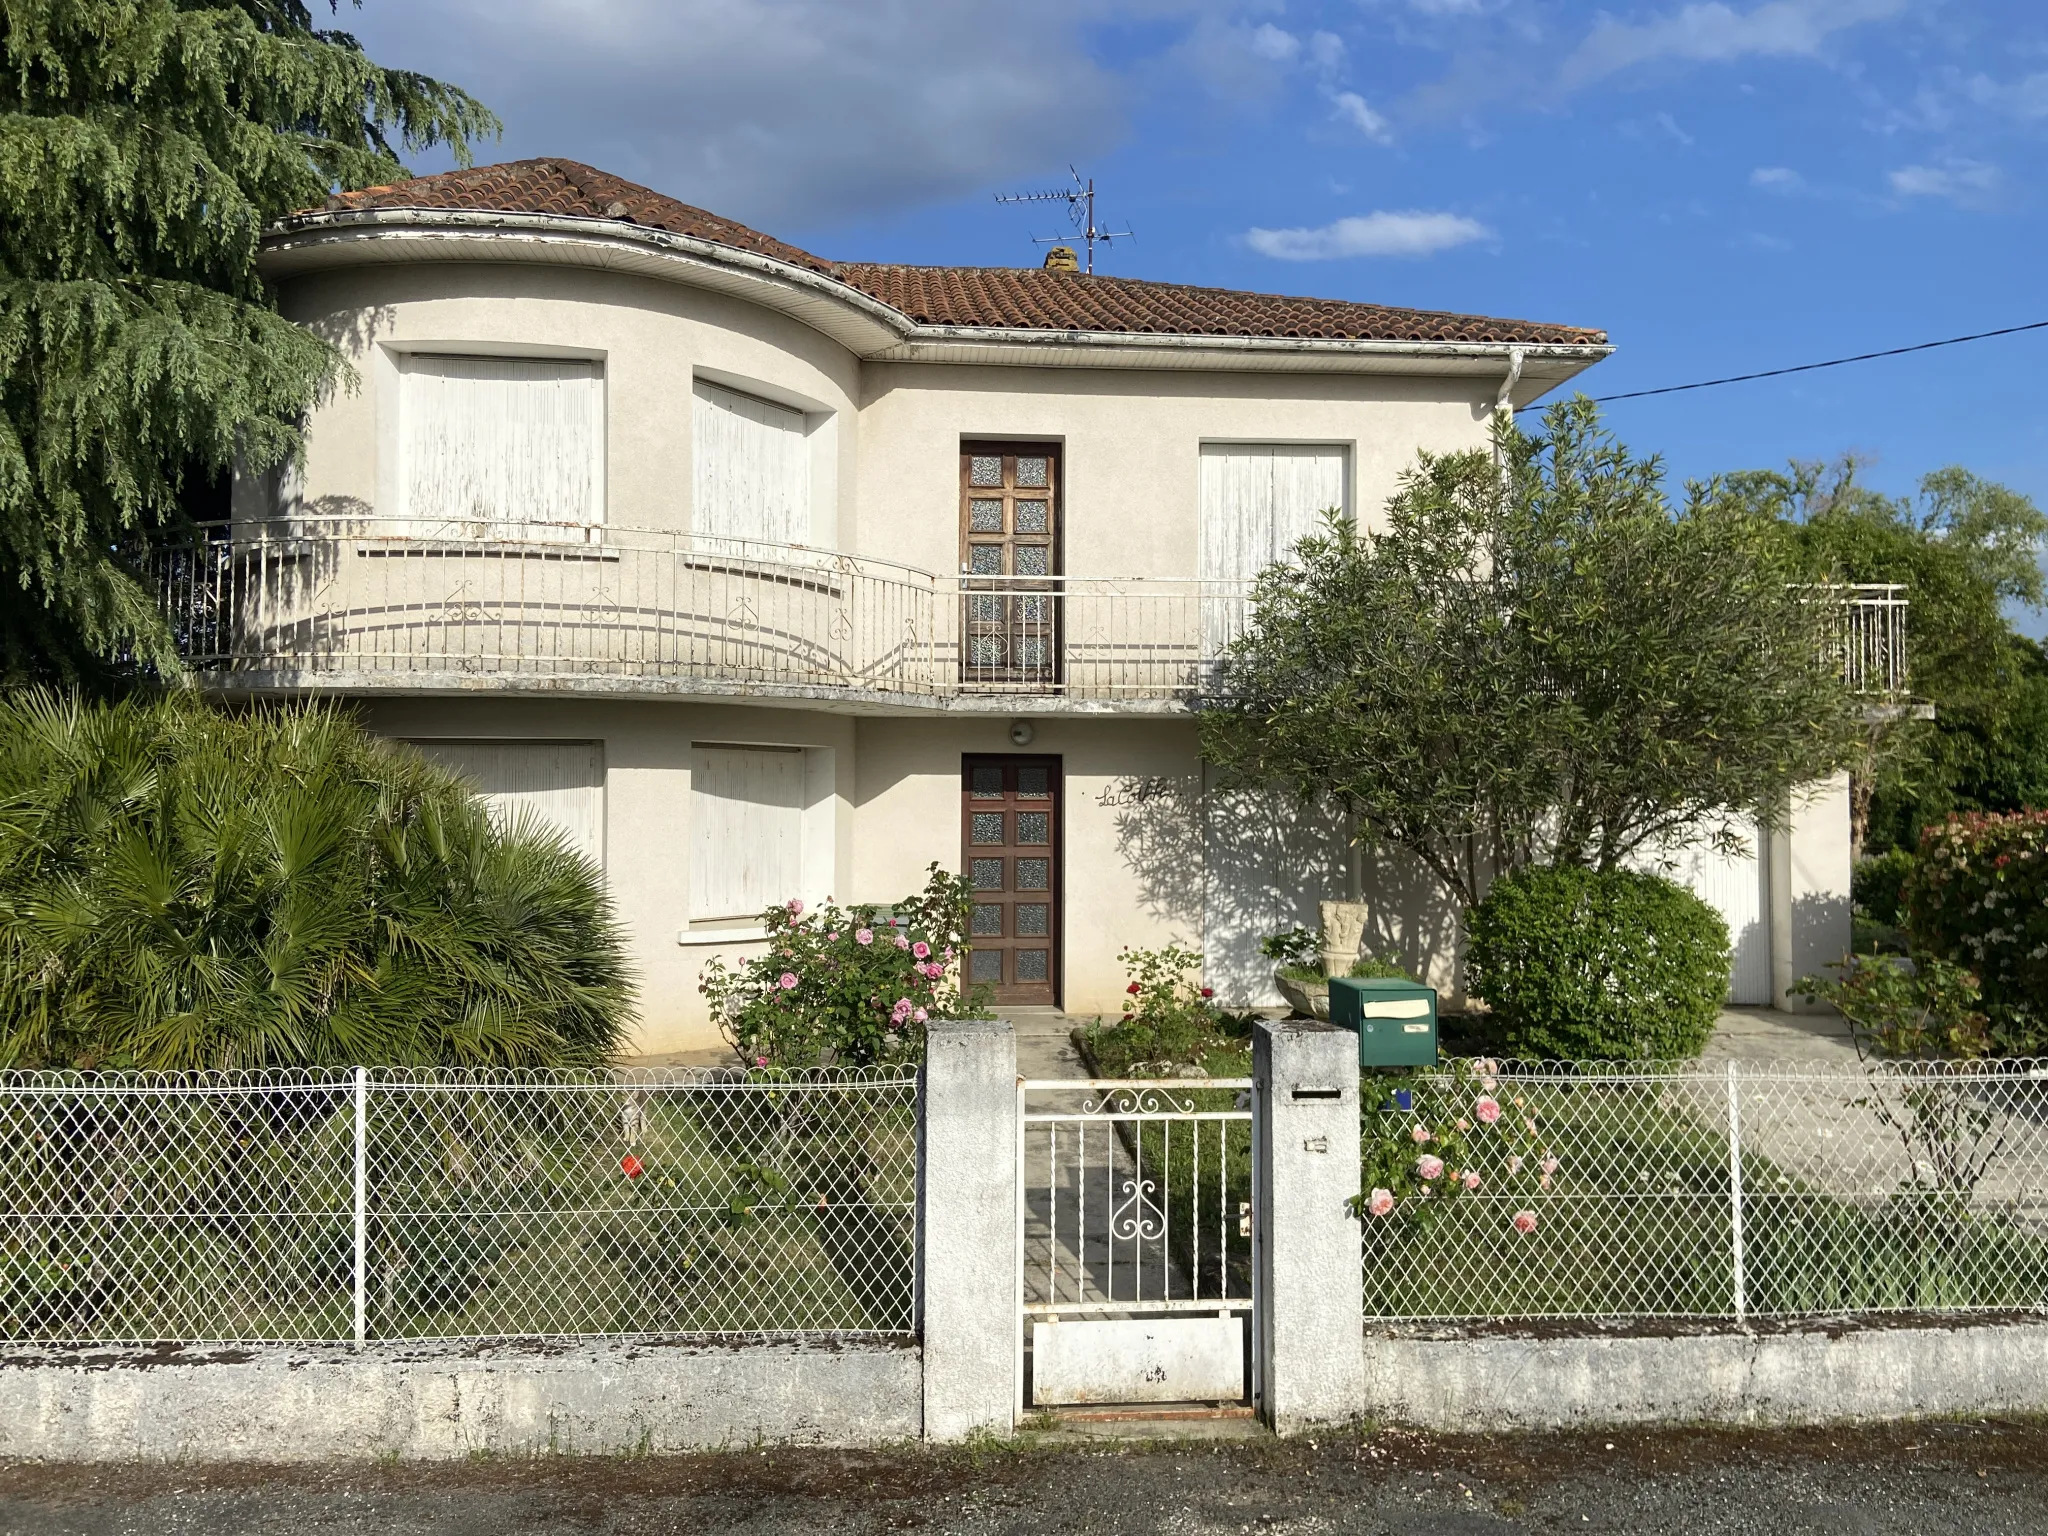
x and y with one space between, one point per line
848 986
1472 1138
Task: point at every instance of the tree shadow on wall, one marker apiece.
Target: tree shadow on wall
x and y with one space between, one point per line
1233 865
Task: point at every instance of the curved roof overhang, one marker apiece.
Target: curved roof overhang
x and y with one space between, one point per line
870 329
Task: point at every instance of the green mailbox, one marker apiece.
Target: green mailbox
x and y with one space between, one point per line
1395 1019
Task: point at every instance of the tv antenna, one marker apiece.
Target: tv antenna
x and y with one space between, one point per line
1080 201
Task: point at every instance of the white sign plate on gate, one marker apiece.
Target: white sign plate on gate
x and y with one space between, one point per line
1158 1360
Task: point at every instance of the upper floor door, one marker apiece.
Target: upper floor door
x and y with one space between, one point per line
1010 562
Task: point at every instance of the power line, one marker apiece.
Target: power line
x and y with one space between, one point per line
1861 357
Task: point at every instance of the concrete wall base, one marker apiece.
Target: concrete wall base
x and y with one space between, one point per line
275 1403
1806 1377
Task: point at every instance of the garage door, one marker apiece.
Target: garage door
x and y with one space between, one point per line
1733 885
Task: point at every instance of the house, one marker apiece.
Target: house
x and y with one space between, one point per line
765 576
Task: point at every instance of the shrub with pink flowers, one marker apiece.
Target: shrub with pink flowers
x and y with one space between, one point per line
1463 1134
848 986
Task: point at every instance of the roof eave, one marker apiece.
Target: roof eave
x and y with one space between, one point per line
873 330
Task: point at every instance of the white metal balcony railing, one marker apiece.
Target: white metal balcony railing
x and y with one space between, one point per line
382 600
306 599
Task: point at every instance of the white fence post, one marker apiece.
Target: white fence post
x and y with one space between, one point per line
967 1189
1307 1294
1735 1193
362 1194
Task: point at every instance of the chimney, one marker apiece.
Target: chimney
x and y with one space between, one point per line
1061 259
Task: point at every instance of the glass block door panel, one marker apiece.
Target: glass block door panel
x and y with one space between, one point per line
1009 835
1010 564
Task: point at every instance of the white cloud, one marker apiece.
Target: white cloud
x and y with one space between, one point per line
1411 233
1776 178
1352 108
1670 125
1714 32
1961 181
2025 98
1269 42
1326 52
794 114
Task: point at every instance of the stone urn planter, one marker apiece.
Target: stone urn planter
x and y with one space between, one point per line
1303 996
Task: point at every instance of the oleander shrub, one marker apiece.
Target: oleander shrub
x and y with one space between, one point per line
182 888
1978 898
1578 963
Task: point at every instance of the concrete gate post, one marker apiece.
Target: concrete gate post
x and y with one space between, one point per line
967 1178
1311 1314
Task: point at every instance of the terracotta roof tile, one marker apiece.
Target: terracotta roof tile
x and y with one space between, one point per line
1020 298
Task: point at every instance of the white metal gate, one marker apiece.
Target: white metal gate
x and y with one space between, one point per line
1134 1237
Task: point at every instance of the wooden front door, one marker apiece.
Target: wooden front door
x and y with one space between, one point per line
1010 837
1009 562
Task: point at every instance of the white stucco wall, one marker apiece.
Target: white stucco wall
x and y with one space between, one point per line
652 337
1131 448
1132 860
887 436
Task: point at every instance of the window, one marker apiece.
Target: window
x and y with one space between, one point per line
753 469
1258 501
560 784
761 828
502 441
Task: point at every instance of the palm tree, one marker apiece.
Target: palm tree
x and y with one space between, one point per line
182 888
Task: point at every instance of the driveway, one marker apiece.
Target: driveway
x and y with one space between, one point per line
1932 1479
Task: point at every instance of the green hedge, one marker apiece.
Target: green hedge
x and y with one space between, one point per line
1580 964
1877 886
182 888
1978 898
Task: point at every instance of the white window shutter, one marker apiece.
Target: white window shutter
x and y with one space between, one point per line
558 783
746 830
1258 501
502 440
752 478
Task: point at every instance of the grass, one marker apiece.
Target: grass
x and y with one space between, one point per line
1639 1223
488 1215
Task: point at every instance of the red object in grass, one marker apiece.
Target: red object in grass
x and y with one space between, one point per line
631 1166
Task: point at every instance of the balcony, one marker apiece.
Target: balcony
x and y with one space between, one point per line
380 605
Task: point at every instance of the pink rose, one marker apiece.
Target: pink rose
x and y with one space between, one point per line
1525 1222
1421 1134
1470 1181
789 981
1487 1110
864 936
760 1061
922 950
1549 1164
1515 1163
795 907
1381 1203
902 942
919 1015
1464 1124
1428 1167
832 938
949 951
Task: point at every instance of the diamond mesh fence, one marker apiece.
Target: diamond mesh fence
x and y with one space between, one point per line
1619 1190
448 1205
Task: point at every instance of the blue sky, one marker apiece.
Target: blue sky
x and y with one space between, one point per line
1723 186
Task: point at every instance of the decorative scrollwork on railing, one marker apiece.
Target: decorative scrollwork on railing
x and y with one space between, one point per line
1136 1218
1136 1101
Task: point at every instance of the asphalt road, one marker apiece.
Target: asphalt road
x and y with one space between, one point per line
1975 1478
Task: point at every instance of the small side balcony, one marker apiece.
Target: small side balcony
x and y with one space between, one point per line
370 605
381 605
